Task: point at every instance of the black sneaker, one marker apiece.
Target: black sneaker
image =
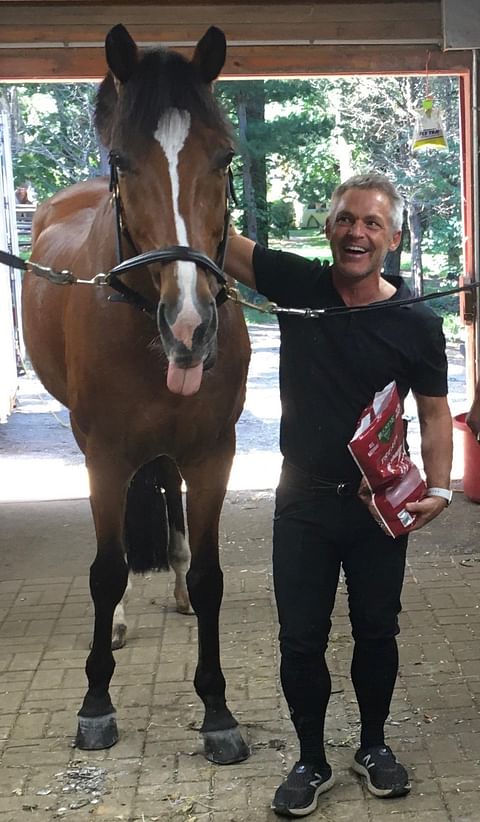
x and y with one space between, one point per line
385 776
298 795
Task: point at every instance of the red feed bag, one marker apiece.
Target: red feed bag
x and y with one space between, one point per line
378 448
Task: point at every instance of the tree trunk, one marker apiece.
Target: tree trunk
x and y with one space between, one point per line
391 266
415 248
249 214
255 108
251 118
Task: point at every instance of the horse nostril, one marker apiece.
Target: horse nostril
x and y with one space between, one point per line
165 316
214 317
164 325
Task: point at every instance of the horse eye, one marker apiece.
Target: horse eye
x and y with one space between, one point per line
224 159
228 158
120 161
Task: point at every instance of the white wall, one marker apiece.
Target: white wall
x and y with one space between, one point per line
9 279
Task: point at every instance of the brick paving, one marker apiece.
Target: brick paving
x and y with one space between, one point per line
156 771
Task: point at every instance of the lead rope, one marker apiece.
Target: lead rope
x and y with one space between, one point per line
232 293
334 310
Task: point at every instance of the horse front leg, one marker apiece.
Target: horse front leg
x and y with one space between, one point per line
97 727
206 485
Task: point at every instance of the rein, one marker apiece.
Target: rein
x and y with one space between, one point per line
179 252
335 310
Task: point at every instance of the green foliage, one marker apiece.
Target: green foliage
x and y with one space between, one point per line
446 305
295 135
282 218
452 326
377 118
287 129
443 305
53 137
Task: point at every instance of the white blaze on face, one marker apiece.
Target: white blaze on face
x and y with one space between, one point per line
172 132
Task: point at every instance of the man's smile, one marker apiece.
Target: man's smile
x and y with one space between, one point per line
354 249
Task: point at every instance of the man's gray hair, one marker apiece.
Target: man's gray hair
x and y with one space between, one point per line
377 182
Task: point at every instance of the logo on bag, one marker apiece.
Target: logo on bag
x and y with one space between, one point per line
385 433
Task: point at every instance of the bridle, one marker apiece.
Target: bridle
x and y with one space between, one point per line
172 253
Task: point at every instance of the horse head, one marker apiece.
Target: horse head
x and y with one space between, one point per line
171 149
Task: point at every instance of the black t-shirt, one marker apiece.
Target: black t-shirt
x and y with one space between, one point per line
331 366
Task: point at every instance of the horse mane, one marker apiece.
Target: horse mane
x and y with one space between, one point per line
162 79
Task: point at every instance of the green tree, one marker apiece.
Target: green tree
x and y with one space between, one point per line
280 125
307 133
282 218
53 137
378 119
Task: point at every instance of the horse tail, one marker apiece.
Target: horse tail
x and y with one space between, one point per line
146 523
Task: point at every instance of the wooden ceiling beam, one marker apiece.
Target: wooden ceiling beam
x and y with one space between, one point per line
54 40
193 3
212 11
61 24
238 33
250 61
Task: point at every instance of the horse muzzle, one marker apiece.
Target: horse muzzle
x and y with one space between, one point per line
189 349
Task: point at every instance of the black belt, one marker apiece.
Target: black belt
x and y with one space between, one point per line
293 475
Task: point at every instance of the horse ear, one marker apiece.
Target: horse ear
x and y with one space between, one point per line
121 52
210 53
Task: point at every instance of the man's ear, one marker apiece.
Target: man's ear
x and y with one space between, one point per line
395 242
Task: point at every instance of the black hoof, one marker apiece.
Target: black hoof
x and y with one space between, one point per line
225 747
96 732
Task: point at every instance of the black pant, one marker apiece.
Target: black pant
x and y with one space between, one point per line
316 532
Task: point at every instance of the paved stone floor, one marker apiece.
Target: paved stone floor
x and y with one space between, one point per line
156 771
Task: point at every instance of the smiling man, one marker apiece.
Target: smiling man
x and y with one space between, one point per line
362 226
330 369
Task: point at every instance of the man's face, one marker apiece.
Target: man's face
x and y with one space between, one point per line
360 233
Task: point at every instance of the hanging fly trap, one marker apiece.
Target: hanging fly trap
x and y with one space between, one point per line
429 131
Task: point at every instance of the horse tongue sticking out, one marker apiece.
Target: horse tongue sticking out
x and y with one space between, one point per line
185 381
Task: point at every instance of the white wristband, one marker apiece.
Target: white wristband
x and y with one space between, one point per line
444 493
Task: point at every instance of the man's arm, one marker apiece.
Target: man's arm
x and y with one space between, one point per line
437 448
239 259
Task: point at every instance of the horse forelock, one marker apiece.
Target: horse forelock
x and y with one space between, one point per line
163 80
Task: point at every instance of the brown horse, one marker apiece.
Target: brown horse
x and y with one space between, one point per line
152 373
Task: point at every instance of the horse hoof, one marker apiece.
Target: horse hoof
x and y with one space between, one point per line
96 732
225 747
185 608
119 637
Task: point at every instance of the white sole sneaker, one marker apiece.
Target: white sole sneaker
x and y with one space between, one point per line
385 793
283 810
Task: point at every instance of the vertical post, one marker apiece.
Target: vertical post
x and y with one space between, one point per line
468 300
476 204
